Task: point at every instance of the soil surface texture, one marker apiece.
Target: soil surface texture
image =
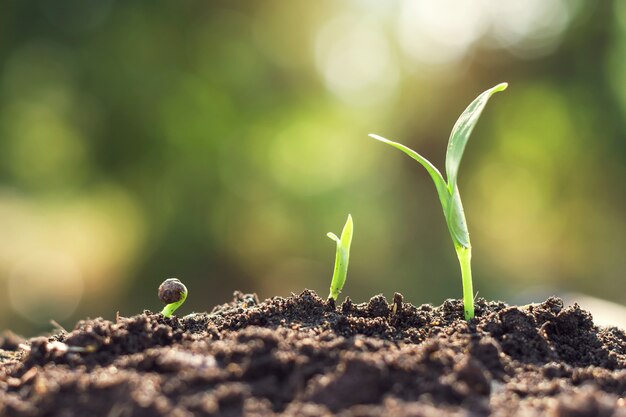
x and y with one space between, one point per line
305 356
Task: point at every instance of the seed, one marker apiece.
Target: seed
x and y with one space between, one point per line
171 290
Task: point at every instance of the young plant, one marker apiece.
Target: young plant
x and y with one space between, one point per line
173 293
448 191
342 258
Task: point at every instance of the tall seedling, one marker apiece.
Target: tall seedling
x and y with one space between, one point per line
448 190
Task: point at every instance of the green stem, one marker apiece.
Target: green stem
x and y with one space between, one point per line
465 259
169 309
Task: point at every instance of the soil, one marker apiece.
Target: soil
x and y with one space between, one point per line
305 356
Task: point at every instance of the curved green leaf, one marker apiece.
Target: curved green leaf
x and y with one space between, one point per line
440 183
461 132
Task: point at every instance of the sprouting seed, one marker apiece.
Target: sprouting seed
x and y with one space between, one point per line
448 191
173 293
342 257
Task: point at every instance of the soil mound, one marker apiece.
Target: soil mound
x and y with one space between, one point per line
305 356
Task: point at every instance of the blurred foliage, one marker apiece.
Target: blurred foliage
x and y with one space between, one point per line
218 142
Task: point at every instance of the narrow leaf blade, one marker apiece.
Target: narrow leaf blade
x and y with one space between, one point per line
440 183
346 233
342 259
461 132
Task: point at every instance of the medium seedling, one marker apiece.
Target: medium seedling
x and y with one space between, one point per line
342 258
448 191
173 293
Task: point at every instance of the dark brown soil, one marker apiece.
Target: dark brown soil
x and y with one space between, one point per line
303 356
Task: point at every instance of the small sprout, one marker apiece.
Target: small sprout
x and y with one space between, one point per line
173 293
448 191
342 258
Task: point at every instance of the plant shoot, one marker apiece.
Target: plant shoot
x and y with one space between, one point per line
342 258
448 190
173 293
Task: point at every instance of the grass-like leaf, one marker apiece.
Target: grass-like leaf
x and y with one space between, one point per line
440 183
342 258
448 191
462 130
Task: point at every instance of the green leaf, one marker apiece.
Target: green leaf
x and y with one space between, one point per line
342 258
461 132
455 217
440 183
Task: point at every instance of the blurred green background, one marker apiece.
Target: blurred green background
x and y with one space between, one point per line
219 141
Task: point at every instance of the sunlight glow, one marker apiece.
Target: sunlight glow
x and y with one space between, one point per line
355 60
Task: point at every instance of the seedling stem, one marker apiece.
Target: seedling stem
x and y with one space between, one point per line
465 260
